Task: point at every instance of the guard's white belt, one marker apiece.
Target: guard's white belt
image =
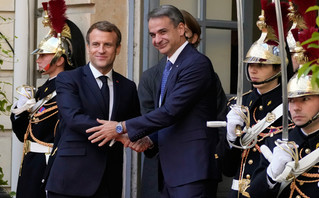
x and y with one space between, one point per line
39 148
235 185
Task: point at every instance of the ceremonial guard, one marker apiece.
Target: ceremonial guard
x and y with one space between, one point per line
34 117
290 168
259 115
293 169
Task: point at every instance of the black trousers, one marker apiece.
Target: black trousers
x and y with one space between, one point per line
198 189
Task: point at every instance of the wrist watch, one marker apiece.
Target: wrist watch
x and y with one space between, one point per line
119 128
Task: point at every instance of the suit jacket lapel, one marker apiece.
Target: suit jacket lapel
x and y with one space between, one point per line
90 81
175 68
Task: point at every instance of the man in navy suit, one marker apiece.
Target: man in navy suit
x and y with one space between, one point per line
80 168
186 145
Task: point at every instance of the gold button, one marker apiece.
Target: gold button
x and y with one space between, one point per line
307 151
272 134
298 196
261 108
254 149
250 162
247 176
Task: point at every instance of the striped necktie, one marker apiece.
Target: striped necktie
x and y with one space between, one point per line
164 78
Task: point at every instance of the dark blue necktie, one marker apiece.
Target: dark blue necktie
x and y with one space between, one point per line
164 78
106 94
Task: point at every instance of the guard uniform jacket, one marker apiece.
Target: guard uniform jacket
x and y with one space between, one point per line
43 125
239 163
305 185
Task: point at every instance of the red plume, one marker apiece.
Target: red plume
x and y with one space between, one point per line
311 53
45 5
271 20
57 15
309 17
263 4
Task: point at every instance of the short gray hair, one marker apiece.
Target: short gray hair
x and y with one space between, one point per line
173 13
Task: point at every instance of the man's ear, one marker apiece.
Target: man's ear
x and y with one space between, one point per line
181 29
60 61
118 49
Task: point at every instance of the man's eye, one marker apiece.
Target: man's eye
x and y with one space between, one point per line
163 32
306 98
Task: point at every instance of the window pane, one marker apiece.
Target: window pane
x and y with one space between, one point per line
219 10
189 5
218 49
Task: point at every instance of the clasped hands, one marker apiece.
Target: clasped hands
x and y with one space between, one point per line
106 132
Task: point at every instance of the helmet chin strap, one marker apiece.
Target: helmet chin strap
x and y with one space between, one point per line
310 121
265 81
45 69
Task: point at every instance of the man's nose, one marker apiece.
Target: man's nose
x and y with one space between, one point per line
253 68
157 39
296 106
38 60
101 49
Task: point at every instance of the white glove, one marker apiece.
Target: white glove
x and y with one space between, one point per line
278 164
25 94
25 101
266 152
233 119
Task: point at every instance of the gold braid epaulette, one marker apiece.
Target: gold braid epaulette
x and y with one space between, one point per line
235 97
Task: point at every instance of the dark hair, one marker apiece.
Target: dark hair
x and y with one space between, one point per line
173 13
105 26
192 24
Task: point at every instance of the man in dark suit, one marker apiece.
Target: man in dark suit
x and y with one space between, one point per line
186 145
34 116
149 87
80 168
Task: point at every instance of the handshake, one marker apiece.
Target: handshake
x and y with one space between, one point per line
106 132
139 146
